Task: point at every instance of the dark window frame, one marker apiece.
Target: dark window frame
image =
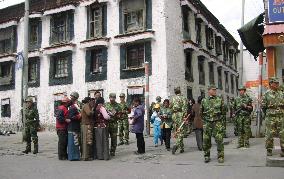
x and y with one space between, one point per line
136 48
232 84
211 73
201 70
209 38
198 27
6 73
220 78
34 79
8 42
188 66
35 34
227 89
218 45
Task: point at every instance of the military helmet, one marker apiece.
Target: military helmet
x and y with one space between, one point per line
122 95
75 94
242 87
212 87
158 98
112 95
273 80
28 99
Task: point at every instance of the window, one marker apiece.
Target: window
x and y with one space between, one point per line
133 15
62 27
235 59
225 51
5 73
198 31
32 71
35 34
135 55
188 67
7 40
231 57
226 82
189 93
96 61
209 38
135 92
220 80
218 42
91 93
5 108
61 67
97 20
211 73
185 20
201 70
232 84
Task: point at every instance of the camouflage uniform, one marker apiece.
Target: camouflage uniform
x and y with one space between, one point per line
224 118
179 105
31 126
114 110
123 123
211 109
232 102
243 118
273 104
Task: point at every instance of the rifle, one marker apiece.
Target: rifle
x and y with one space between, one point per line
178 130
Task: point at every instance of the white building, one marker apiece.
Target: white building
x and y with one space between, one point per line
88 45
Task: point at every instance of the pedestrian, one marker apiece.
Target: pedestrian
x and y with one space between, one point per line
123 124
74 128
191 102
97 95
166 116
137 121
62 121
31 126
101 119
87 126
211 110
113 109
243 108
197 123
156 121
273 107
231 104
179 105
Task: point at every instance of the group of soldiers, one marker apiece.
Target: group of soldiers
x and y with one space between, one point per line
213 112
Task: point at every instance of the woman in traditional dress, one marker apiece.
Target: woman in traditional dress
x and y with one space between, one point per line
87 125
101 147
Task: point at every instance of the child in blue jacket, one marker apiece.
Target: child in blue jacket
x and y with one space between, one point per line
156 121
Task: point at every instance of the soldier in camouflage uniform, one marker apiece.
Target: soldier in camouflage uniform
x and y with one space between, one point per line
243 108
224 118
31 126
123 123
113 109
273 106
211 109
178 105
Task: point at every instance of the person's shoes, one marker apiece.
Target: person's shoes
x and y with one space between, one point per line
35 149
207 159
269 152
26 151
120 143
168 149
220 160
138 153
174 149
35 152
156 145
162 143
181 151
240 146
246 146
112 154
200 148
126 143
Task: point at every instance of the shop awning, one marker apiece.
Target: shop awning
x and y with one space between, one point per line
251 35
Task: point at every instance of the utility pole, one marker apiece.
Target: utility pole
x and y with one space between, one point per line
242 46
147 105
25 60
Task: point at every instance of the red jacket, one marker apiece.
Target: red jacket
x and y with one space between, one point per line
61 114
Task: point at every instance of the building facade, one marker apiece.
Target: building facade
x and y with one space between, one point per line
89 45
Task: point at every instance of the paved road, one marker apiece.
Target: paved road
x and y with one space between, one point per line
156 163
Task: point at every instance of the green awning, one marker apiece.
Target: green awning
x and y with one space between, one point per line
251 35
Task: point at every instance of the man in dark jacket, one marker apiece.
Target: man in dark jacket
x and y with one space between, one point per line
61 128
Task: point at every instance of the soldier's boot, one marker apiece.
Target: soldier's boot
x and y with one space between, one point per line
28 148
240 146
269 152
220 159
112 153
35 149
174 149
120 143
126 142
246 145
207 159
181 151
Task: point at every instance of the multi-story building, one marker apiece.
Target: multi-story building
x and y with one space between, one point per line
88 45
